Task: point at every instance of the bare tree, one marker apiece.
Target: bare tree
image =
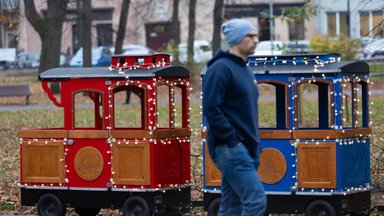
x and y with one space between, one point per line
10 12
86 21
191 30
122 26
49 29
175 30
217 21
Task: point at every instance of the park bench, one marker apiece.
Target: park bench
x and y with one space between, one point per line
15 90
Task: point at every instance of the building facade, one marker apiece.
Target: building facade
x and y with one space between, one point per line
354 18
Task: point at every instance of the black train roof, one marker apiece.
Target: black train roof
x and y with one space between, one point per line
336 67
304 64
104 72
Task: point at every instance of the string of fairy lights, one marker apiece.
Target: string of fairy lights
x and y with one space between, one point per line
338 106
149 87
353 84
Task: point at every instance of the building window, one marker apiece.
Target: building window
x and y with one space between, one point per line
371 23
337 24
104 34
296 30
344 25
331 24
377 20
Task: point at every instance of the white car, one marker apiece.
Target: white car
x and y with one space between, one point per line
298 47
374 50
266 48
136 49
98 55
201 51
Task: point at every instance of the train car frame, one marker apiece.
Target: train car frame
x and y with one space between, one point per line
140 166
103 157
316 166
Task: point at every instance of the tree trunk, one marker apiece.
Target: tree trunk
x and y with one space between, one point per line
122 26
217 21
49 29
175 30
86 33
191 30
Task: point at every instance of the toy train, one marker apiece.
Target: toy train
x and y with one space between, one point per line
141 165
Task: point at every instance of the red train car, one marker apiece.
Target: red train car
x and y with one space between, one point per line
104 157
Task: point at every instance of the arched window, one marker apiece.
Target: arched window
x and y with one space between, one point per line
314 104
347 98
363 104
163 106
180 106
355 104
128 106
273 105
172 105
88 109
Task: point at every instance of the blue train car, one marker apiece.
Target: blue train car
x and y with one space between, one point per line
315 135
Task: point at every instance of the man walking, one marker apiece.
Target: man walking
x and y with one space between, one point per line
230 97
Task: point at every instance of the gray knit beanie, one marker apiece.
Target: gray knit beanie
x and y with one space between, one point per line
235 30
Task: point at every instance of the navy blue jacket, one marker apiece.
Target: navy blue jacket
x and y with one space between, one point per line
230 97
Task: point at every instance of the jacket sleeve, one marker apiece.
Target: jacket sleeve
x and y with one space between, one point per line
216 84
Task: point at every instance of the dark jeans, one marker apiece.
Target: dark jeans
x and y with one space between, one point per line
242 193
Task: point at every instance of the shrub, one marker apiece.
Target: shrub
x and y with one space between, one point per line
346 47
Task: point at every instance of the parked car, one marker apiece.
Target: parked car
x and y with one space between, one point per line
374 50
136 49
63 59
130 49
266 48
32 60
201 48
297 47
8 58
99 56
28 60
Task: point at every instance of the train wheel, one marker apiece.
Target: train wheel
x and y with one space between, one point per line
213 208
87 211
136 206
50 205
320 208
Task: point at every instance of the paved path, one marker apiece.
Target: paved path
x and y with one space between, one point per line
194 100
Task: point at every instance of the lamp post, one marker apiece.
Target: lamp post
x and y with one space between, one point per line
271 36
348 19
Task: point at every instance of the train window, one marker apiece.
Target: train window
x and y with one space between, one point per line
128 107
162 102
314 105
347 107
362 103
140 61
267 106
88 110
178 107
272 105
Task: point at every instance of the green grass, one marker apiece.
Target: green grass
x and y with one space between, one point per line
376 67
7 207
12 121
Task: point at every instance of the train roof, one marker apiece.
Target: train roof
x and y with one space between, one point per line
303 64
335 67
104 72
